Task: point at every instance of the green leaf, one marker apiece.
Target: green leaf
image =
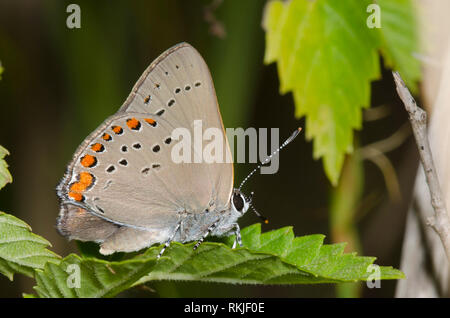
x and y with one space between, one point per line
98 278
21 251
327 56
5 176
400 39
275 257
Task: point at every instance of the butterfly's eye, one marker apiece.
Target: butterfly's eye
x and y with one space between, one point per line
238 202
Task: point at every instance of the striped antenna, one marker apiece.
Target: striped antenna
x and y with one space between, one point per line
284 144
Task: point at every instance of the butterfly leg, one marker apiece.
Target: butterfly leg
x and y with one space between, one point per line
169 240
237 231
212 227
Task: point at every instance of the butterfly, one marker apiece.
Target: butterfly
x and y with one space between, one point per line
123 189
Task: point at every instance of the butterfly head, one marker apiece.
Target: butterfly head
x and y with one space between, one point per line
239 202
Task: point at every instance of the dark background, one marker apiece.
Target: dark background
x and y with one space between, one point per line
59 84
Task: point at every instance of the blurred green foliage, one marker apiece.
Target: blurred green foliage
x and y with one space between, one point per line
5 175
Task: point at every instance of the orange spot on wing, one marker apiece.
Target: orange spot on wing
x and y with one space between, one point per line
97 147
76 196
117 129
106 137
86 178
88 161
77 188
150 121
133 123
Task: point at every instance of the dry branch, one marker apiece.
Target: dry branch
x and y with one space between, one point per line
440 222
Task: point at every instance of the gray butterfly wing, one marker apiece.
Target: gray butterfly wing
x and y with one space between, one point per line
124 173
178 86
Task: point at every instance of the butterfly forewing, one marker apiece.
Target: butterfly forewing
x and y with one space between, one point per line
178 86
